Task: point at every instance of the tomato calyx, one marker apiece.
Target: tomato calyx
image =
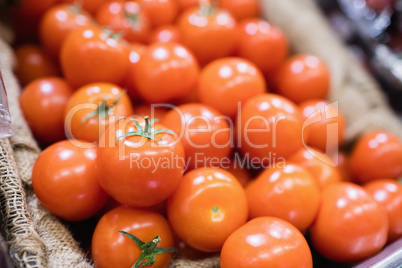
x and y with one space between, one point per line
147 131
75 8
208 7
112 35
102 110
148 250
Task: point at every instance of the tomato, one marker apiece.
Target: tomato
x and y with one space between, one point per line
241 9
90 6
269 128
341 160
43 102
262 43
92 108
376 155
207 207
110 248
160 12
33 63
64 180
126 18
388 193
57 23
325 124
289 193
89 55
320 165
151 110
142 168
350 224
165 72
165 33
238 170
266 242
204 133
209 32
234 80
185 4
302 77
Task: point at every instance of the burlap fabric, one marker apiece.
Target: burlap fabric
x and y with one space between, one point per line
38 239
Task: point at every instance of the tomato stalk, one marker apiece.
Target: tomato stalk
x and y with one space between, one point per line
102 110
148 250
208 7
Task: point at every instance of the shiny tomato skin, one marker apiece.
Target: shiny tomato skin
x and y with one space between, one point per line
241 9
350 225
84 101
137 171
209 36
269 127
33 63
206 208
165 33
302 77
266 242
166 72
376 155
232 79
289 193
57 23
321 166
204 133
262 43
65 181
160 12
89 55
43 102
388 193
325 124
112 249
126 18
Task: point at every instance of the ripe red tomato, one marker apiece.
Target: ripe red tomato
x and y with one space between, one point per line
388 193
269 128
90 6
165 33
92 108
320 165
33 63
110 248
262 43
65 181
57 23
166 72
266 242
325 124
207 207
302 77
160 12
90 55
233 80
209 32
241 9
139 163
43 102
350 224
127 18
204 133
376 155
289 193
151 110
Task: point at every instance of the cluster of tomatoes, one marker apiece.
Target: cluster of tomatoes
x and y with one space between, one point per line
187 121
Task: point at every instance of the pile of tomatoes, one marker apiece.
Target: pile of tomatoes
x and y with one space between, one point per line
187 123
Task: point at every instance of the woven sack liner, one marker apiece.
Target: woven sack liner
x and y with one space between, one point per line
36 238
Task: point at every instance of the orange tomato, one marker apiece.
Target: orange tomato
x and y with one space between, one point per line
92 108
165 33
166 72
43 102
33 63
238 170
388 193
320 165
324 123
160 12
289 193
302 77
207 207
262 43
90 6
209 32
57 23
234 80
241 9
151 110
376 155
